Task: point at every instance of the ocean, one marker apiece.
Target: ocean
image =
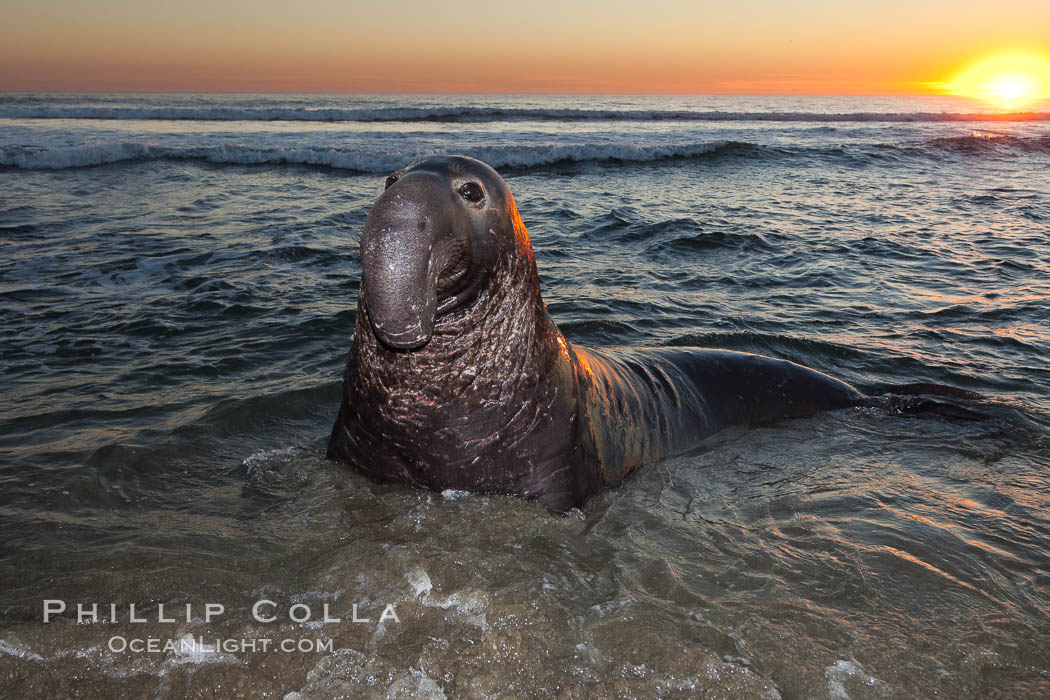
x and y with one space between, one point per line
178 287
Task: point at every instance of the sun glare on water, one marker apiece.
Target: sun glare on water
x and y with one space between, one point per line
1008 82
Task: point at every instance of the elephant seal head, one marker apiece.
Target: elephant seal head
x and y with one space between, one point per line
431 243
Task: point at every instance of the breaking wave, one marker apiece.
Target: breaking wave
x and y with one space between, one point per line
354 160
504 157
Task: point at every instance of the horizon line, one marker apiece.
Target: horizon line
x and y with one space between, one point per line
477 93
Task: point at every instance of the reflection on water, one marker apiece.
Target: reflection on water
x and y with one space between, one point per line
889 556
174 332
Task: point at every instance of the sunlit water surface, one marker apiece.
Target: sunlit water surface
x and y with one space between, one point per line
178 284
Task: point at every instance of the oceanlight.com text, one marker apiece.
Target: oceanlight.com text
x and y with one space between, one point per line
199 646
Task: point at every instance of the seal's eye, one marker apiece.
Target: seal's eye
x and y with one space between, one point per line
391 180
471 192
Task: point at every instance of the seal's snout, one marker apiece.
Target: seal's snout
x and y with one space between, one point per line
400 257
411 339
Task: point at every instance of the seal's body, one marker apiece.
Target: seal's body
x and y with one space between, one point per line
459 379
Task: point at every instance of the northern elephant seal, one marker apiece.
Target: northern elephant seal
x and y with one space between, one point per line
459 379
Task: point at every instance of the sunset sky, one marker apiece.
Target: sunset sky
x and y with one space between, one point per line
610 46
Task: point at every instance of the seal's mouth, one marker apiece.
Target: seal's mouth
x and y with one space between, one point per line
454 273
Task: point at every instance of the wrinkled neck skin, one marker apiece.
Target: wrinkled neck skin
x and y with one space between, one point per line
487 405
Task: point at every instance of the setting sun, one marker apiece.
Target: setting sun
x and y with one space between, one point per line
1008 81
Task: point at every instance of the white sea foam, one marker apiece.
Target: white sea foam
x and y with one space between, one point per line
420 583
842 671
415 684
75 156
18 651
263 457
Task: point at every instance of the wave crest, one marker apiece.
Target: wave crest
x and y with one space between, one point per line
511 156
358 161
